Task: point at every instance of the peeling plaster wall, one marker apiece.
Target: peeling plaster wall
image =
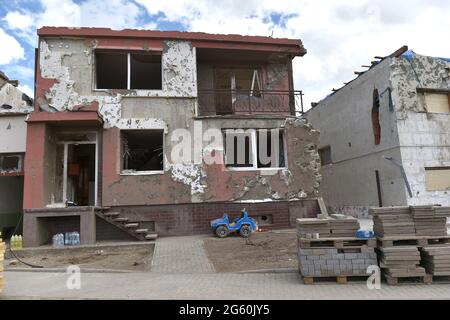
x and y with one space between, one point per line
424 137
345 123
14 99
65 83
299 180
14 106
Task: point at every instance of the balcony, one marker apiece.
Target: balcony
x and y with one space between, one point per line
215 102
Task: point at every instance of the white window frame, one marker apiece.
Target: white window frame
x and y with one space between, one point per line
254 147
128 172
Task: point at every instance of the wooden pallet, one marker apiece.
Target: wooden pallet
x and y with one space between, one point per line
418 241
440 279
338 279
393 281
336 243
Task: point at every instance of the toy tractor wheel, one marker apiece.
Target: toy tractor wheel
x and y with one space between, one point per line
221 231
245 231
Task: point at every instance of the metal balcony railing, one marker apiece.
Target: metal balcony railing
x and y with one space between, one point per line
241 102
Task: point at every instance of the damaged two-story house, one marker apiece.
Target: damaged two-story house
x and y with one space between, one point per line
14 108
385 136
136 133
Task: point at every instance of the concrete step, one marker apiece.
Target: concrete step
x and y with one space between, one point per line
151 236
141 230
111 214
132 225
121 219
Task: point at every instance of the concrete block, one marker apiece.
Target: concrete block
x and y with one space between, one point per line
349 256
306 251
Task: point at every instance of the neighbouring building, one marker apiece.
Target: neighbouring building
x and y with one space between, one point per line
385 136
112 107
14 107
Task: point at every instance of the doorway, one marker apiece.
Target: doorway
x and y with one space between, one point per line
76 172
81 174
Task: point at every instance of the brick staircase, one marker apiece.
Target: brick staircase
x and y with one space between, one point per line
133 228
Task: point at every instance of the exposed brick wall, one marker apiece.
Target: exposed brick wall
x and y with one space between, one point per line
106 231
185 219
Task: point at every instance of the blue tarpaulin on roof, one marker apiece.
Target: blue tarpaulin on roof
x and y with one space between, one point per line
408 55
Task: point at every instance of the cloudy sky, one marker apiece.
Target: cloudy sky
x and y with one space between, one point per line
340 36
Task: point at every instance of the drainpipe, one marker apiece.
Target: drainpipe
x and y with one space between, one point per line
408 187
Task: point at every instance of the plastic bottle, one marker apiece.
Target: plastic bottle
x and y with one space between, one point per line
77 238
19 242
12 242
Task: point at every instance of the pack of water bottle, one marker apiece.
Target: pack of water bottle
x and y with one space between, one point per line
72 239
58 240
66 239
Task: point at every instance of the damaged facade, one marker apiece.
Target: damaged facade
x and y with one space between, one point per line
384 137
14 107
111 108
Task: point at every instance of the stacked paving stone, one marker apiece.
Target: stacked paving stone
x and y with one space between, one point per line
401 261
392 221
436 260
331 262
343 226
430 220
308 226
410 221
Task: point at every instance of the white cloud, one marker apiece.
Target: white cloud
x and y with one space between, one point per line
10 48
340 36
18 21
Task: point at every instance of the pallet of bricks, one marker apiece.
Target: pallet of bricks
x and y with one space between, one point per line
413 244
2 254
329 250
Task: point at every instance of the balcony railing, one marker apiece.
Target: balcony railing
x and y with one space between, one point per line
244 102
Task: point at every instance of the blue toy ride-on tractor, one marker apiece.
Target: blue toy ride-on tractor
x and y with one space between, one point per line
243 224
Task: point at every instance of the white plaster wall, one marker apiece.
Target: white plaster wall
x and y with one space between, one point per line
424 137
13 134
345 123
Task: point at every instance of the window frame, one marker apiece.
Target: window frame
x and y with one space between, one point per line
130 172
19 155
254 149
128 53
320 150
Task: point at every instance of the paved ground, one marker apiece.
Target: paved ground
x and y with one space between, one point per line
181 270
181 255
203 286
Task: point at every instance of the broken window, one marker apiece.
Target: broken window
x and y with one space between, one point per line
235 85
145 71
437 178
238 148
376 117
254 148
437 102
122 70
142 150
11 163
325 155
270 148
111 70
